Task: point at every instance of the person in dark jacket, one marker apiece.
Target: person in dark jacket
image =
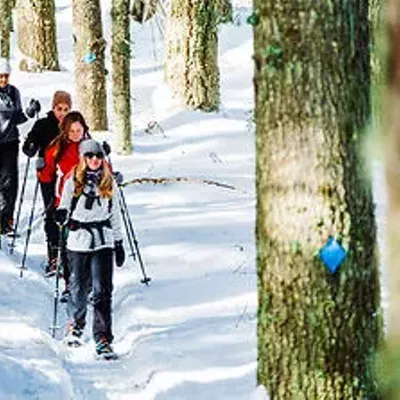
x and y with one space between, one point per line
43 132
11 115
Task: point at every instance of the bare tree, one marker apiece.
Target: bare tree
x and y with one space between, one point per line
5 27
90 46
121 57
191 66
37 38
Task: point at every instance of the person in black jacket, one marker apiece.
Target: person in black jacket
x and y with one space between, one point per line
11 115
43 132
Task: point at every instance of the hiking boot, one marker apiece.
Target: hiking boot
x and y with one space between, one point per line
104 349
64 296
6 227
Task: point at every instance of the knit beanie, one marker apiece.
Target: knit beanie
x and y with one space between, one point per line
61 97
5 67
90 146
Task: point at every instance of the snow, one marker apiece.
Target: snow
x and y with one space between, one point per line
190 334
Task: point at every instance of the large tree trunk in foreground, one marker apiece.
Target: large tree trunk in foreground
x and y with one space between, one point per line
37 38
191 68
90 46
317 331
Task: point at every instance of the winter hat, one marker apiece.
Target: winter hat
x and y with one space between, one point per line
5 67
90 146
62 97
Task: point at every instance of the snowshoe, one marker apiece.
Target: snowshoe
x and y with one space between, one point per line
64 296
105 351
74 337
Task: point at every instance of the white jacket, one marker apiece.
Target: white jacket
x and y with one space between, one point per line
83 239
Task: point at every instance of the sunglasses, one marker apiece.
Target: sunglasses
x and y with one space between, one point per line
99 155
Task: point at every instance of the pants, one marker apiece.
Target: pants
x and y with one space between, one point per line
8 180
50 226
93 269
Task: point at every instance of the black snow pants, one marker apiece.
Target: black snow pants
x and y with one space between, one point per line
8 180
95 270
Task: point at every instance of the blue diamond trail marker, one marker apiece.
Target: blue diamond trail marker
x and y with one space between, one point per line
332 254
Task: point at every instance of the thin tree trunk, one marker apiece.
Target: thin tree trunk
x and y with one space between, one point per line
191 68
90 46
5 27
121 57
37 38
317 331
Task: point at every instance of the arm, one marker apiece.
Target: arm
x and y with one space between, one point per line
115 217
31 145
19 116
49 172
67 194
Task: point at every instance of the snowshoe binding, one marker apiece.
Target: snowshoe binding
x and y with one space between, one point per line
74 337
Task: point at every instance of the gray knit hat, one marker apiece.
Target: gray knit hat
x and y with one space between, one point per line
5 67
90 146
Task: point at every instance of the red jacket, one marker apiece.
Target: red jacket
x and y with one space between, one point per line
59 170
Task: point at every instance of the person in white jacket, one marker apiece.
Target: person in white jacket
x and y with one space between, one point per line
90 209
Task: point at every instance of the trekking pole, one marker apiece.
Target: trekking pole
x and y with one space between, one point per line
21 199
130 232
54 327
29 231
131 235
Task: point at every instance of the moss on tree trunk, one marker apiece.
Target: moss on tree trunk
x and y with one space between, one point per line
317 332
191 68
121 57
5 27
37 38
90 46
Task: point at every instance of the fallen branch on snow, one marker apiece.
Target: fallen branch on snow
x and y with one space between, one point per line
163 181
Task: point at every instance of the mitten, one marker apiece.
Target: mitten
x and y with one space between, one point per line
40 164
60 216
29 149
106 148
119 178
119 253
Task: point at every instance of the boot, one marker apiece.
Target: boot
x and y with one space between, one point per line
52 258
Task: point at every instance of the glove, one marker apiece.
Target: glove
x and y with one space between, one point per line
40 164
119 178
106 148
60 216
119 253
33 108
29 149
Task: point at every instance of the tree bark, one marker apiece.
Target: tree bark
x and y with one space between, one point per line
121 61
5 27
90 46
37 37
191 68
317 331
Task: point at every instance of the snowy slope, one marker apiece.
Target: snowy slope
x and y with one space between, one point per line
191 334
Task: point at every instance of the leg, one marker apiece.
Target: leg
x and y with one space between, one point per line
102 269
79 283
8 182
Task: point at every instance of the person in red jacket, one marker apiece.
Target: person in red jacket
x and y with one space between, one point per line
60 158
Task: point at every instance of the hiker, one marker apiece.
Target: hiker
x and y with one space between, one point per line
11 115
43 132
90 208
60 158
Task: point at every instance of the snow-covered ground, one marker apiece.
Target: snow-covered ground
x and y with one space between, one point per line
191 334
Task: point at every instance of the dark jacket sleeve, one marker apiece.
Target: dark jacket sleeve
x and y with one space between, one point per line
19 117
31 144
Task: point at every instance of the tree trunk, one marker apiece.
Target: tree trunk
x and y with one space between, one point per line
5 27
191 68
121 60
90 46
37 38
317 331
